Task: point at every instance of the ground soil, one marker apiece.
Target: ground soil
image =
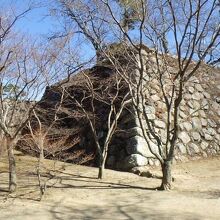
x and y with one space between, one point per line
74 192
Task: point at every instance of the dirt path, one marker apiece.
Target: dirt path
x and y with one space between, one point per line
75 193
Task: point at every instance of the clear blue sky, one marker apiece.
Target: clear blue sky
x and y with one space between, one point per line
36 22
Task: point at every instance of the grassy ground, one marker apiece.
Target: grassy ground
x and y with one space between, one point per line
74 192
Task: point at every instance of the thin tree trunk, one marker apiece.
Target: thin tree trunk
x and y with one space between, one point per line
102 161
101 171
12 166
42 186
101 167
167 177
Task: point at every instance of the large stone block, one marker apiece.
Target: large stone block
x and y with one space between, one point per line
196 136
199 88
155 98
194 148
204 145
136 131
182 148
191 90
204 122
134 160
193 112
184 137
196 96
187 126
212 123
196 123
159 124
138 145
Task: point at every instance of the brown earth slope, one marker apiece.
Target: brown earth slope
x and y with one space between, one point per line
73 192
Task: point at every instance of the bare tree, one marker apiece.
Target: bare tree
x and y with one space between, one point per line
11 91
24 72
187 29
83 19
193 33
39 133
102 106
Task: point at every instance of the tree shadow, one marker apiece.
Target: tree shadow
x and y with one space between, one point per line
4 190
97 183
131 211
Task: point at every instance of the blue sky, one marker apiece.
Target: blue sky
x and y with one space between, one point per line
36 22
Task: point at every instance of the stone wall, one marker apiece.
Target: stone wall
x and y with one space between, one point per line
199 135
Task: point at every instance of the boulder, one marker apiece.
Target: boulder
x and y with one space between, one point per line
193 112
182 114
196 105
205 104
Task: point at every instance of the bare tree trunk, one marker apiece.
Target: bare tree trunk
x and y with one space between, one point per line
167 177
12 165
42 185
101 171
101 167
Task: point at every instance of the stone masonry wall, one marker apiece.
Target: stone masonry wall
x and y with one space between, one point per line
199 135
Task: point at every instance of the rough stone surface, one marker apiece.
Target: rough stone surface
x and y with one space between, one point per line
204 145
199 88
159 124
212 123
196 136
133 160
196 96
208 137
138 145
194 148
191 90
194 112
196 123
187 126
199 127
181 147
202 113
182 114
204 122
184 137
155 98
